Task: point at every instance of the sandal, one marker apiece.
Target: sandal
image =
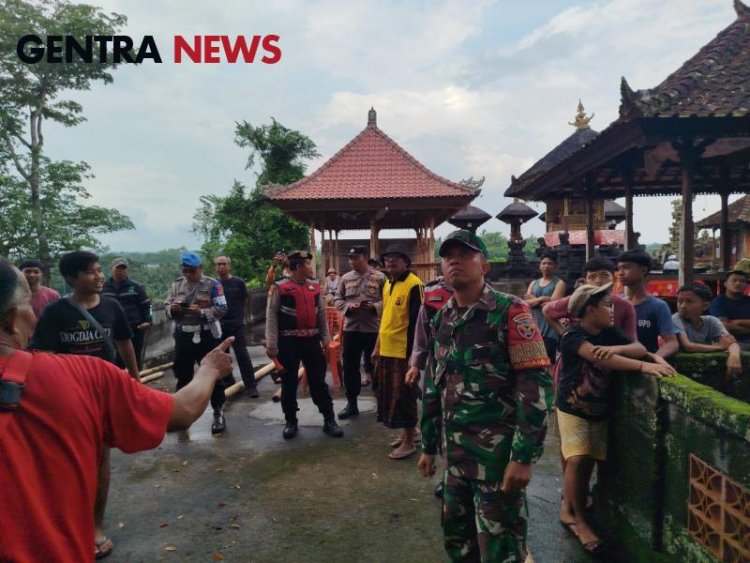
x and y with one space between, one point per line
395 456
397 442
103 546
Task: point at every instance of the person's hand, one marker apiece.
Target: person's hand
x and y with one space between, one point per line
193 309
374 356
516 477
272 352
426 465
143 326
352 306
604 352
734 365
219 359
659 370
175 307
657 359
412 375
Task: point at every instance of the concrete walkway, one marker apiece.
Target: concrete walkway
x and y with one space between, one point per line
248 495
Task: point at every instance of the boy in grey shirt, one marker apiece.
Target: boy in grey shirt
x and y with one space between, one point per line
703 333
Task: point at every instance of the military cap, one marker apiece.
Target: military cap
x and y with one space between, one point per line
583 295
399 250
354 250
463 238
117 262
190 259
299 256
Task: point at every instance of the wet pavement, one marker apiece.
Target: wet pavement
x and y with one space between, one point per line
249 495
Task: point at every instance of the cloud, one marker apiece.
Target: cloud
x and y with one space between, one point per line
468 88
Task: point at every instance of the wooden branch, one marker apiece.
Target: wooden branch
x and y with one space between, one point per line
26 176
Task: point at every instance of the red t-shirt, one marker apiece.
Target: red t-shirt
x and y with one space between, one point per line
50 450
42 298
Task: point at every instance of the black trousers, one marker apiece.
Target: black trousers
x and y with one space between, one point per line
356 343
244 363
187 354
138 340
292 351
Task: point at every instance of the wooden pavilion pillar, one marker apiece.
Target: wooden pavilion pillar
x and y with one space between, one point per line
587 186
688 157
629 236
312 249
323 254
724 235
373 238
336 254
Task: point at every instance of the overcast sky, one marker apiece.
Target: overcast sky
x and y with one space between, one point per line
474 88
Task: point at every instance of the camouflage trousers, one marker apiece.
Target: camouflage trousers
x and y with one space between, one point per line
482 523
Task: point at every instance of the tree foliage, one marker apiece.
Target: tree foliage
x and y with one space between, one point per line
46 213
242 224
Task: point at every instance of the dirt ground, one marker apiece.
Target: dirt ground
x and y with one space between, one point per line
248 495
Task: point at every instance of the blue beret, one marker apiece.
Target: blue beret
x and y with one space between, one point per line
190 259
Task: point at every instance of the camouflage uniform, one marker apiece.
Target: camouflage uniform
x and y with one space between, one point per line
485 404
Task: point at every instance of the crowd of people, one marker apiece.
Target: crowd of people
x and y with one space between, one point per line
486 366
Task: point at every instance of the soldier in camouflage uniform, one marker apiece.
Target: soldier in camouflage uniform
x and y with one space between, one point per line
485 404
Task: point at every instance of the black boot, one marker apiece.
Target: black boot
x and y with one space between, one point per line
290 429
252 391
219 424
331 428
349 410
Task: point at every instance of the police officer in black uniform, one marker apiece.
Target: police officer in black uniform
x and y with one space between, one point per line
296 330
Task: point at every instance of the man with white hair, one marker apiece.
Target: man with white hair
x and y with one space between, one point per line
57 414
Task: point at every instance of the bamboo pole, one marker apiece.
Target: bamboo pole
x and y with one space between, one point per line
277 395
152 376
154 369
240 385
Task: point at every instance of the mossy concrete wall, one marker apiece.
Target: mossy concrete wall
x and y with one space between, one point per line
644 488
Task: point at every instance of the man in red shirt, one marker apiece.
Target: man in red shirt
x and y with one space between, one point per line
41 295
53 430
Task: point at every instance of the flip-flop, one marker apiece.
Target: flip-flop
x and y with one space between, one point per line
395 456
103 547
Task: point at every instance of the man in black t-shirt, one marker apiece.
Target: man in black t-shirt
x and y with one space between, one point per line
64 329
136 304
233 322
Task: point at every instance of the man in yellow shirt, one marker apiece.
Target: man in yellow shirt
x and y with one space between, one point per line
402 297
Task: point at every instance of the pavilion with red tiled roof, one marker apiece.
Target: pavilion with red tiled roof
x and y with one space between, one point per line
690 134
372 182
738 233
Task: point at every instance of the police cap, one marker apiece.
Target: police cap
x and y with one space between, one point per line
358 250
190 259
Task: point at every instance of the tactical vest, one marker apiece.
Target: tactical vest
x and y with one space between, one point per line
298 307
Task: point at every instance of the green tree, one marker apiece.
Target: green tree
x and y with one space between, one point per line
497 245
242 224
47 194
